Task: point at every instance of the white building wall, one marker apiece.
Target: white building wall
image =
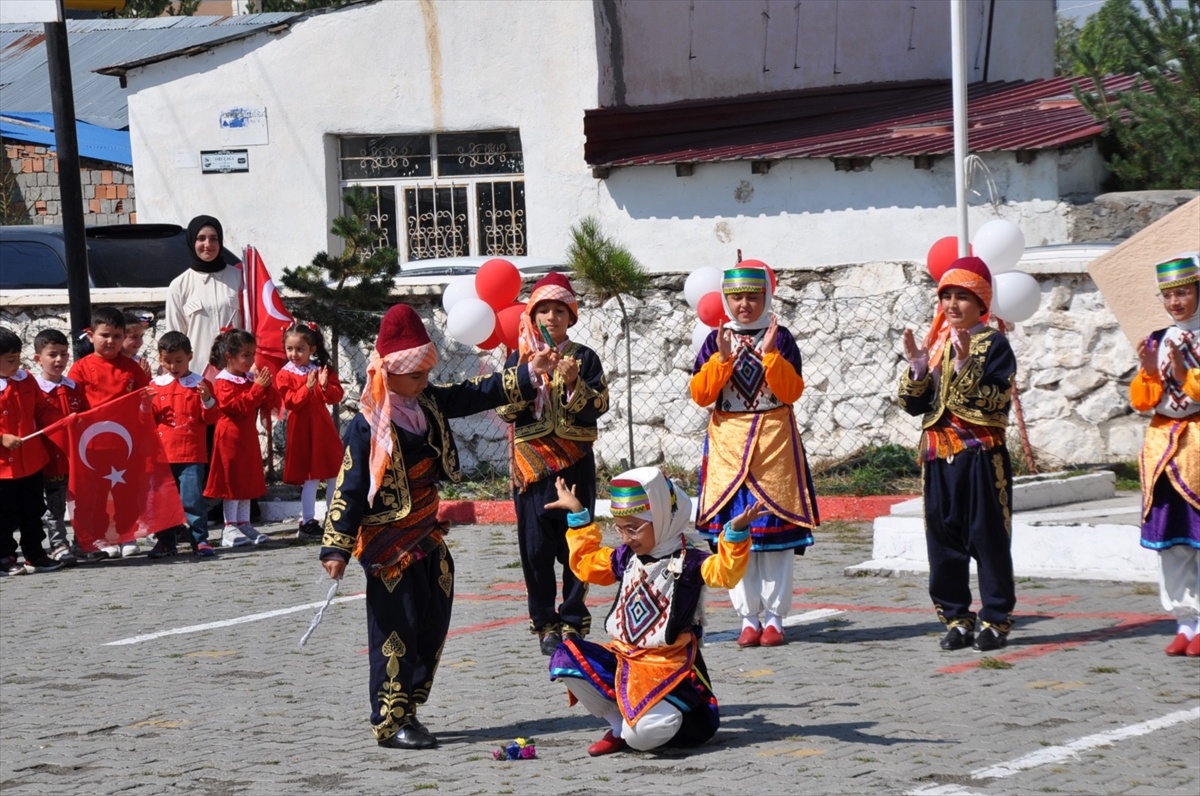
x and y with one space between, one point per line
668 50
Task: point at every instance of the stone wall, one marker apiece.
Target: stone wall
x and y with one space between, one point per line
1117 216
1074 366
30 188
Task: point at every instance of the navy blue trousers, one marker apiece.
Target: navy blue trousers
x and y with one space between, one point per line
968 514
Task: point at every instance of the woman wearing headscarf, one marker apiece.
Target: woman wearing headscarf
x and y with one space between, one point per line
207 297
961 379
650 683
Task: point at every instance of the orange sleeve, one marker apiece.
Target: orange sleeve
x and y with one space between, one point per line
707 383
725 569
590 562
1145 391
782 378
1191 385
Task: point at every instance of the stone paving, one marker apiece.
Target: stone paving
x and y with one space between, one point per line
861 699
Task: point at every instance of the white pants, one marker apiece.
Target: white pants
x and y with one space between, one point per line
237 512
656 726
1179 581
767 584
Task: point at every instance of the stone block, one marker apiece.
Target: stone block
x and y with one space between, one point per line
1080 383
1069 441
1041 405
1126 437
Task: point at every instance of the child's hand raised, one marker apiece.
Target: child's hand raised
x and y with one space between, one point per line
323 376
543 362
912 352
311 380
1147 353
769 337
568 368
566 498
725 345
1178 366
263 377
742 521
203 391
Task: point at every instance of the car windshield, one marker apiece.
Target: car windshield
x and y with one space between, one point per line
30 265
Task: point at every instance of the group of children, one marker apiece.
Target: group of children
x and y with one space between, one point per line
208 430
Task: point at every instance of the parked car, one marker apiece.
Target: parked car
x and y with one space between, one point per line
468 266
1057 257
33 257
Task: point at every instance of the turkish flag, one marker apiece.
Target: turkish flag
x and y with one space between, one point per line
120 486
266 317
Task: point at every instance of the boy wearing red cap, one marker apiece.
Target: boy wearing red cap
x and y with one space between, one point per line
553 436
960 379
384 512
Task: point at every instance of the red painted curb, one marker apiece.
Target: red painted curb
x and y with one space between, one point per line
502 512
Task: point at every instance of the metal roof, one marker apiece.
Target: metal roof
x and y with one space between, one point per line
98 143
97 43
901 119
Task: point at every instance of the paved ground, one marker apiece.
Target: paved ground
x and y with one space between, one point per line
860 700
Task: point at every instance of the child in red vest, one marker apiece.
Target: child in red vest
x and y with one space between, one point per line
105 375
51 352
236 475
314 449
184 408
22 413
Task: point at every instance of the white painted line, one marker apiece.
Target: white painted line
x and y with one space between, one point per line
811 616
1054 754
943 790
240 620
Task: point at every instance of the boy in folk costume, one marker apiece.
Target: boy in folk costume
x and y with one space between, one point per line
650 683
1169 383
961 381
384 512
553 437
749 372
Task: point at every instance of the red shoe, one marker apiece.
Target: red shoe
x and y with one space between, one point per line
607 745
1180 645
1193 647
771 637
749 637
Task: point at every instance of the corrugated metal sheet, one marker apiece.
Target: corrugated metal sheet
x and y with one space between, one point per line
98 143
869 120
98 43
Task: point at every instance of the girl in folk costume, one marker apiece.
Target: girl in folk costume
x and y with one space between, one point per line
749 372
1169 383
650 684
961 380
314 449
236 472
553 436
384 512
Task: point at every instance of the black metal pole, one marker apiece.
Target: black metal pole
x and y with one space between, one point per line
70 192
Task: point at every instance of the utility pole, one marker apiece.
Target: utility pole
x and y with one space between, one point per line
62 95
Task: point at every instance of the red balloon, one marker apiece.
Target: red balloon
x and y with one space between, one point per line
760 264
498 282
941 255
493 341
711 309
508 324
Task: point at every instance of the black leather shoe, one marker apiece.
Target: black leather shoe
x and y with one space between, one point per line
989 640
957 638
410 736
550 643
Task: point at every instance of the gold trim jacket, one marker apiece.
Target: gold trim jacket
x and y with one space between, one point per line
573 419
980 393
393 500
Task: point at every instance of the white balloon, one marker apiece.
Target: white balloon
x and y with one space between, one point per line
700 282
1015 296
1000 244
458 289
471 321
699 334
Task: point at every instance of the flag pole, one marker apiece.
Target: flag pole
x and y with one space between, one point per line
958 58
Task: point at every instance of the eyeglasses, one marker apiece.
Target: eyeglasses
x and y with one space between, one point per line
630 532
1181 293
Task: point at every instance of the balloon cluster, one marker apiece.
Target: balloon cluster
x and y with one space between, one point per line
1000 244
703 293
520 749
484 311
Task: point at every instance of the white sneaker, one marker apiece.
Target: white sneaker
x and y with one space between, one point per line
111 552
232 536
253 534
129 549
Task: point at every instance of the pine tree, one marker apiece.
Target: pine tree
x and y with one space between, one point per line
1155 125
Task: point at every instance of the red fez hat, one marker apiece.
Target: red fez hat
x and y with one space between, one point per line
554 287
400 330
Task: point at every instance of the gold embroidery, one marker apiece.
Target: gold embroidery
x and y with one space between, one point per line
391 582
393 702
1002 490
559 417
961 394
338 504
449 454
446 579
394 648
966 623
337 539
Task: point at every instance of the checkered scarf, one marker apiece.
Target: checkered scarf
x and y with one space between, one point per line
376 403
553 293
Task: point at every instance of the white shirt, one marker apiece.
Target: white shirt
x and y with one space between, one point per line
199 304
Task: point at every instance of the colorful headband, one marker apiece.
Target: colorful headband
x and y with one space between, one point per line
628 498
1178 271
744 280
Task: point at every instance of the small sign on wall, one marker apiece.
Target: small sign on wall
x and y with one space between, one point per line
224 161
245 125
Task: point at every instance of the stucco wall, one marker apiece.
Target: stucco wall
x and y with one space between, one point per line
667 50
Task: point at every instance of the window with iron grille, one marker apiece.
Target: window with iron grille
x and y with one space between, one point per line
442 195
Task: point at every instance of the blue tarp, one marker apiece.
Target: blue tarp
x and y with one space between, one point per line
97 143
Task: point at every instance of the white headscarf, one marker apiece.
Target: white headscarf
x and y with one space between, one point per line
670 517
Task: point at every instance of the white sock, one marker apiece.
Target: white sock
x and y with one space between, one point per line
230 509
243 512
775 621
752 622
1189 628
308 501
